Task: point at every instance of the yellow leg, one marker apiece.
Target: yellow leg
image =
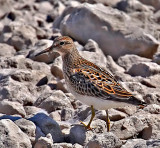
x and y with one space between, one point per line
93 115
108 121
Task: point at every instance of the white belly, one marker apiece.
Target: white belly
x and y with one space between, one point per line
98 103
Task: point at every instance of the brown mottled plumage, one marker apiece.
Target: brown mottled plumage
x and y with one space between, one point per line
89 83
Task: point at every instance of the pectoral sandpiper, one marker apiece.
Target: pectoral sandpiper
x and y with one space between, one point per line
88 82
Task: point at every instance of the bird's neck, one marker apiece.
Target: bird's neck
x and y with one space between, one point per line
72 59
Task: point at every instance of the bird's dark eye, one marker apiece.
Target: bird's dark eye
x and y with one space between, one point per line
61 43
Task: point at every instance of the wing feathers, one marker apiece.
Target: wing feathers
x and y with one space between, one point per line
101 80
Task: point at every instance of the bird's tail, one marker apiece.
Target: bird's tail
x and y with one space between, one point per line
133 100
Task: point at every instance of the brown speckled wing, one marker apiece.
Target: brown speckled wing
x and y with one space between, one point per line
91 80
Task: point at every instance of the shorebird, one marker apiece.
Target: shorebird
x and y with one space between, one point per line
88 82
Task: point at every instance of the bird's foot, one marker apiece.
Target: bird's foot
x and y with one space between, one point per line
86 126
141 106
108 122
108 125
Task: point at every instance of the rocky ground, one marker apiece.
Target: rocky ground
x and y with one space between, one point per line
36 110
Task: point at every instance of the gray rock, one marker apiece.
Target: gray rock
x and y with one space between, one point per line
78 46
134 143
32 110
144 124
152 98
143 88
93 53
53 101
126 34
67 145
62 145
153 109
76 145
6 50
48 125
153 143
153 3
98 126
83 112
13 89
104 2
28 128
106 140
6 7
129 110
44 142
11 108
12 136
112 66
66 114
77 135
156 58
56 115
61 85
22 37
20 62
44 7
115 115
65 128
144 69
128 127
133 5
39 133
127 61
56 68
94 57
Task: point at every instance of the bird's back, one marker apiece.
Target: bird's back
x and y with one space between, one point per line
87 79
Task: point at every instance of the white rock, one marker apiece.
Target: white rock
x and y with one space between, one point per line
144 69
127 61
6 50
11 108
28 128
12 136
106 140
53 101
44 142
113 30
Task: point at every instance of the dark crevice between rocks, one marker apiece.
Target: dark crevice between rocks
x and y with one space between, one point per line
21 78
12 64
147 84
11 16
74 104
28 104
40 23
15 78
43 81
25 7
50 18
123 128
52 86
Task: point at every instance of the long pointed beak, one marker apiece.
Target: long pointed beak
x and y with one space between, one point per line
44 51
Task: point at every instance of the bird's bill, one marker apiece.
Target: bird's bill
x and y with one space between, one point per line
45 51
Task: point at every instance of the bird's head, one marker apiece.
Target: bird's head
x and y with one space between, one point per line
62 45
